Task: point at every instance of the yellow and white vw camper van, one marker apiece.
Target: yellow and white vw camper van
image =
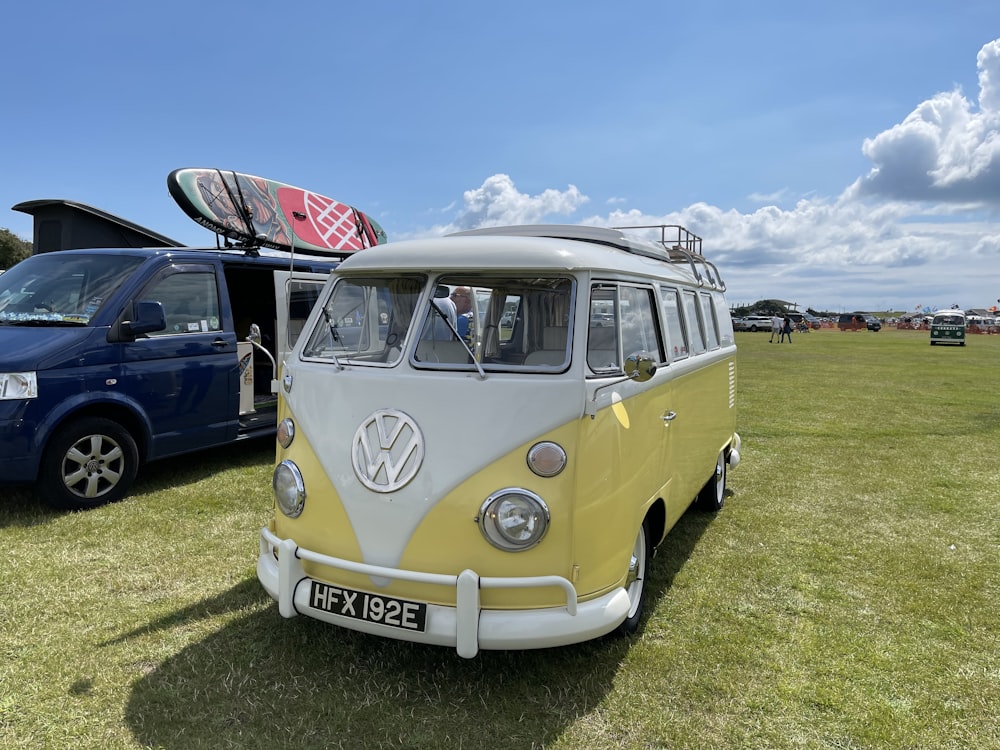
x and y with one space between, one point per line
483 437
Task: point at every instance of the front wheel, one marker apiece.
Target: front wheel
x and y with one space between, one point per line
635 582
88 463
713 495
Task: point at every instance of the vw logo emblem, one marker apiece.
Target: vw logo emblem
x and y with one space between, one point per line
387 450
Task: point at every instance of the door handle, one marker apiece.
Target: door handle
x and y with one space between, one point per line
219 343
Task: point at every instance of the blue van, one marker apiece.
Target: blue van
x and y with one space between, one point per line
113 357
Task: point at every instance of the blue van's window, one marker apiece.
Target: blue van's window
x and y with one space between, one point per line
190 302
55 288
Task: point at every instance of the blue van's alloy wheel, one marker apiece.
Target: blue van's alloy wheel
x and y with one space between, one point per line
88 462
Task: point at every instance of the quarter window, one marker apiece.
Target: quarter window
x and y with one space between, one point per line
676 335
711 324
692 316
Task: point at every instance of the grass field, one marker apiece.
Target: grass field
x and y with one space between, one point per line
846 597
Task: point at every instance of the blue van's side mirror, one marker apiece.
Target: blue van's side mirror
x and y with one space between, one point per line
148 317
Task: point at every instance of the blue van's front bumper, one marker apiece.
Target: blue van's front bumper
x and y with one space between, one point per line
18 459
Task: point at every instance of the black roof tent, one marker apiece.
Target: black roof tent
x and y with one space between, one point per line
67 225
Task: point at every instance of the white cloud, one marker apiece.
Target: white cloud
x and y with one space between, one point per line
945 150
776 197
497 202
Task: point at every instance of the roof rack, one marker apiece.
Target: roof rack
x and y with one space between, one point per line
686 249
684 246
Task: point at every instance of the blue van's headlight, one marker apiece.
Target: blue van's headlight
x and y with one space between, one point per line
513 519
14 385
289 489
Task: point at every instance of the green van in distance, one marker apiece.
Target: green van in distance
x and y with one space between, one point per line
948 327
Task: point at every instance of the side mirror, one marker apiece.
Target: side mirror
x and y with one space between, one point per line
148 317
639 367
441 291
254 336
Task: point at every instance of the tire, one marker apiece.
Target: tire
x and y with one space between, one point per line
88 463
713 495
635 583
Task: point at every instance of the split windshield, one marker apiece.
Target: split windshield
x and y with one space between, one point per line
60 289
455 322
948 320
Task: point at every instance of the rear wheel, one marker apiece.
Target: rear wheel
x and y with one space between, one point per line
713 495
635 583
88 463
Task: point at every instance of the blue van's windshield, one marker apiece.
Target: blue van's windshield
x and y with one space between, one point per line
59 289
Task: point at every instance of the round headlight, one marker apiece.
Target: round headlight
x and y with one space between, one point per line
286 432
513 519
289 489
546 459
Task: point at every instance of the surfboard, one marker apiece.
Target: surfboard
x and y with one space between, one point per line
254 211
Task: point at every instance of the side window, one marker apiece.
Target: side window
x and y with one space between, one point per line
602 336
622 322
672 320
724 320
711 324
638 323
692 315
190 301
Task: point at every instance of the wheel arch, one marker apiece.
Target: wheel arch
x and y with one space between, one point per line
656 515
119 411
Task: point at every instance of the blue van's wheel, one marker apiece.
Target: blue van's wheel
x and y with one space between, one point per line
635 583
713 495
88 462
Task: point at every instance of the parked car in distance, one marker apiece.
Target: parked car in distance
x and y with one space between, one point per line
752 323
858 322
599 320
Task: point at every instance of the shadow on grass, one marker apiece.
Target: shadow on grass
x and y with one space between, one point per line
194 467
20 508
263 681
674 551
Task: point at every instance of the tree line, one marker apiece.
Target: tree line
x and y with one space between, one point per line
12 249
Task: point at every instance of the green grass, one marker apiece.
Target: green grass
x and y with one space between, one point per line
846 597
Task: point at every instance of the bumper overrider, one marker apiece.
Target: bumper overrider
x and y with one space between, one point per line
466 627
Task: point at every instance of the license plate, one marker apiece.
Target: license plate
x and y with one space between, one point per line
361 605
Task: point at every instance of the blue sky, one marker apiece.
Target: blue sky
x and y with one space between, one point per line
838 155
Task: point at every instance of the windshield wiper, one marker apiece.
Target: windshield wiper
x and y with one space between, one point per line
455 333
334 335
40 322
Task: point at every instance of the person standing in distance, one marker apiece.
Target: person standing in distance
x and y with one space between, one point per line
786 330
775 328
